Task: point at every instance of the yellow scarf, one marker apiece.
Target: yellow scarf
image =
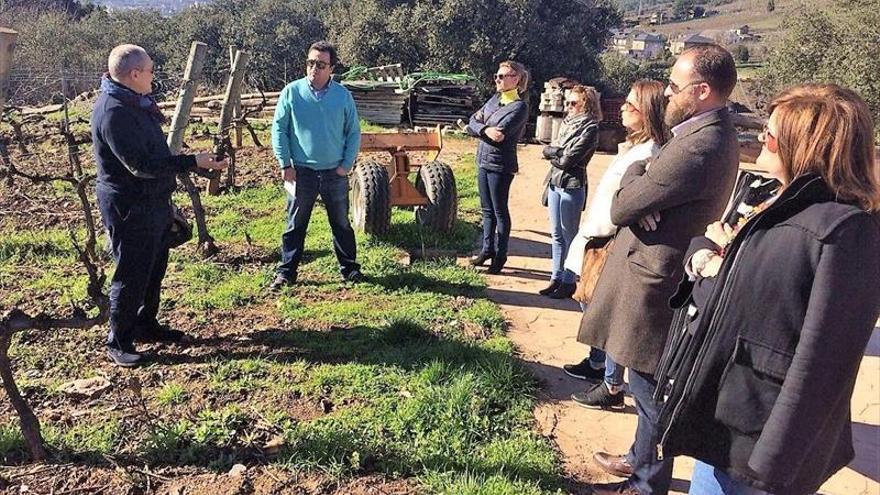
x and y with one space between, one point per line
509 96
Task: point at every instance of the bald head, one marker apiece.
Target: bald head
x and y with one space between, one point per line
125 58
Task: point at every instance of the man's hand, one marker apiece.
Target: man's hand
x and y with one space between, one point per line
288 174
719 233
494 134
650 221
340 171
207 161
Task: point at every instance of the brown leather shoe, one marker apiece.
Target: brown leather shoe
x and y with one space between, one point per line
622 488
613 464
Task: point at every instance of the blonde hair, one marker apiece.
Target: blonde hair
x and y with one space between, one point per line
828 130
521 71
592 103
651 103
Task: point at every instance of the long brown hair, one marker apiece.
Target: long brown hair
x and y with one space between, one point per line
828 130
592 105
651 103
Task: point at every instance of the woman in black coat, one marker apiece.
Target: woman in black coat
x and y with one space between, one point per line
777 311
499 124
565 187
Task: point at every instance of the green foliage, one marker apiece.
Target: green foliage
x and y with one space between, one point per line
445 35
11 442
620 72
832 44
172 394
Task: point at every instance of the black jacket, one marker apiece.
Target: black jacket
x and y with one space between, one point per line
133 158
758 375
511 120
577 142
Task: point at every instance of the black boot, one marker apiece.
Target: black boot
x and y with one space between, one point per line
564 291
496 265
550 288
481 258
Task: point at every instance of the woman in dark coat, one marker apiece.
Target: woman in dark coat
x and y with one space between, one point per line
566 182
499 124
777 311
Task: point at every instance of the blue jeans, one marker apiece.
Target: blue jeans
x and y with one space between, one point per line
650 476
565 206
613 371
494 190
333 189
137 231
708 480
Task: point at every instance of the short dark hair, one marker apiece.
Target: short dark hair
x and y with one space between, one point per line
714 65
326 47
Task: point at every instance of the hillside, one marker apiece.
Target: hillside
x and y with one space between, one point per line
734 15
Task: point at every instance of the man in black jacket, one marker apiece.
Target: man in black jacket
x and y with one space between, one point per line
136 176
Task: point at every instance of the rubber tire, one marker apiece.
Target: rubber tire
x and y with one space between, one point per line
437 182
370 198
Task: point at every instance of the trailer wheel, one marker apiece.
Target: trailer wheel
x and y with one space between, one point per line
370 199
437 182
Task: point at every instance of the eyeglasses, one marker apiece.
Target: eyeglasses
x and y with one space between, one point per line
676 90
499 77
571 103
319 64
628 107
766 135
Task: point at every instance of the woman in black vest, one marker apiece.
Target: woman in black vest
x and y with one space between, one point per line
499 124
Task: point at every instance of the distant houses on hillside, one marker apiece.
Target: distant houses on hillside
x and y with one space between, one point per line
640 45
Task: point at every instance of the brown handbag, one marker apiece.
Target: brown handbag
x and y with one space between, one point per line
595 255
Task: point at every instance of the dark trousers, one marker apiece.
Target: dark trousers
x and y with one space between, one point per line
333 189
651 476
494 190
137 237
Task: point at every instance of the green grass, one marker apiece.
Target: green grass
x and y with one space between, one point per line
172 394
407 375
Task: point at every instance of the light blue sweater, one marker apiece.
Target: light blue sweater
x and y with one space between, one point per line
318 134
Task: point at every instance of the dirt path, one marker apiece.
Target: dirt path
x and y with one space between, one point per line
544 330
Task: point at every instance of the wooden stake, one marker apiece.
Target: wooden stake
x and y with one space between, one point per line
236 109
8 39
233 90
191 77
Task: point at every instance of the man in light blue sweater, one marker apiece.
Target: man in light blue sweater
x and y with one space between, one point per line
316 137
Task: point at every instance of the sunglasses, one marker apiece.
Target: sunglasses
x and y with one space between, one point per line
628 107
499 77
676 89
319 64
766 135
571 103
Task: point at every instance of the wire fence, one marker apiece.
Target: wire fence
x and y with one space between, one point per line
28 86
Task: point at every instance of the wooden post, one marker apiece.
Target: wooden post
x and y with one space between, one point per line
233 90
8 39
236 109
191 76
179 122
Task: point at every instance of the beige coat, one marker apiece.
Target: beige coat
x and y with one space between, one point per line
689 183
